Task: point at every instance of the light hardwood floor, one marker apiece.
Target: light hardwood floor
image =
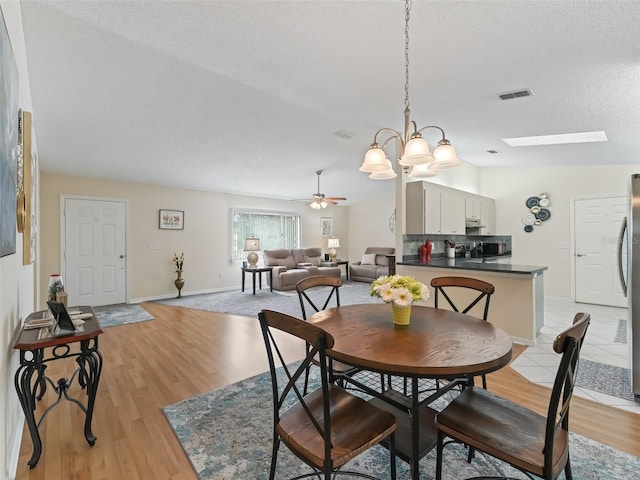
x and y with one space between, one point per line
185 352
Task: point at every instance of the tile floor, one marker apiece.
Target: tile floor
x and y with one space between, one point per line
539 363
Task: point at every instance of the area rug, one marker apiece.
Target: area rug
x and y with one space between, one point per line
621 331
245 303
121 314
226 434
603 378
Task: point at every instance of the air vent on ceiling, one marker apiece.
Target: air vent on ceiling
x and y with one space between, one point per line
517 94
344 134
493 152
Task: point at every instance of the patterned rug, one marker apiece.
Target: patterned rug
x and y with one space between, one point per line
245 303
226 434
122 314
621 331
603 378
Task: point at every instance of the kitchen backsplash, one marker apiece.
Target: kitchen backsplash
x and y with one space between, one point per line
412 243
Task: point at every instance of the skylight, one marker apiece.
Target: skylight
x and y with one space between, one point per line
582 137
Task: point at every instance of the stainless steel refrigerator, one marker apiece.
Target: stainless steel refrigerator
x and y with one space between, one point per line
629 268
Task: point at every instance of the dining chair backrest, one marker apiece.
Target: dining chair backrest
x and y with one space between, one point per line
328 426
510 432
443 287
569 344
317 291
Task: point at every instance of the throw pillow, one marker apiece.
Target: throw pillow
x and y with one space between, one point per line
368 259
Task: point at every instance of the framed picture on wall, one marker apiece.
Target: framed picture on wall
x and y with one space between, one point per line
326 226
172 219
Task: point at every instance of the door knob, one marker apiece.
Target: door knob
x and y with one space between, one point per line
580 255
121 256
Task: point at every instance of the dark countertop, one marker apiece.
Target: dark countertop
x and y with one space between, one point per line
476 264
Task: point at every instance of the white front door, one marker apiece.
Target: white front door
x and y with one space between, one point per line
94 251
597 223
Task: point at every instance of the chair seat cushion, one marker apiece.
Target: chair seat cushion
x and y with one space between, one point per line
502 429
365 424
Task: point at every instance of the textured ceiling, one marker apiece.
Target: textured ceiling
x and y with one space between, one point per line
245 96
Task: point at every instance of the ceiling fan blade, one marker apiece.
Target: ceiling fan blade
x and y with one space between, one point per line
335 198
329 200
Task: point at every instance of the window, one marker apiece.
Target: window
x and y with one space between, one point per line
274 229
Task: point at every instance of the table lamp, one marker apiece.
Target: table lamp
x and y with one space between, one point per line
332 244
252 245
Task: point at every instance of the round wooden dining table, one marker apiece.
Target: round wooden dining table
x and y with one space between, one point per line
437 344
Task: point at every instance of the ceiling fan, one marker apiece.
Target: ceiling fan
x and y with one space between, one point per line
319 201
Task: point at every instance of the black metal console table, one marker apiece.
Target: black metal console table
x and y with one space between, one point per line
38 348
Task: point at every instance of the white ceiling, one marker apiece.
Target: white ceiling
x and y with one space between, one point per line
245 96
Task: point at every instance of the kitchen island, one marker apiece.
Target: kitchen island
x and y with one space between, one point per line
517 306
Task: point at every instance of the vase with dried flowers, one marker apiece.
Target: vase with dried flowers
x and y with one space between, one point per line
178 261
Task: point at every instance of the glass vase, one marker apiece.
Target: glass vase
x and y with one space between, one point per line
56 285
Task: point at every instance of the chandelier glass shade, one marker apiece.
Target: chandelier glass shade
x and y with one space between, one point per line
414 149
424 170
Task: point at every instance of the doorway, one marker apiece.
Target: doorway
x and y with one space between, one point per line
93 250
596 226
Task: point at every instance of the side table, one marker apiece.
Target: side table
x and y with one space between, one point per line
346 265
259 271
38 348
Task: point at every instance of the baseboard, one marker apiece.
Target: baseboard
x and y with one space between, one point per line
14 451
522 341
184 294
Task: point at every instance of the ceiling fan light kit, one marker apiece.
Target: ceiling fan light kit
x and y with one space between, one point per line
319 201
414 150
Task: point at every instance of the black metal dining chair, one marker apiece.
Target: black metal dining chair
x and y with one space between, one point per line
316 293
532 443
329 426
444 287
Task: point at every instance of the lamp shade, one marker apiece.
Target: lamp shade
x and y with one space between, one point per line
416 151
424 170
333 243
251 244
384 174
374 160
445 155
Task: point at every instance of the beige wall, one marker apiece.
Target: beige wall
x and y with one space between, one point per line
16 283
205 239
548 244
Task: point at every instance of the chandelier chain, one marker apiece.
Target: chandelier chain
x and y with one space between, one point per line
406 53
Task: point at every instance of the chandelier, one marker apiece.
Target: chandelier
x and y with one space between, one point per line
414 150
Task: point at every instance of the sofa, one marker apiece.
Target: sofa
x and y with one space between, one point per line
375 263
292 265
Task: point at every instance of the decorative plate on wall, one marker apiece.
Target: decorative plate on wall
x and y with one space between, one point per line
532 201
544 202
529 219
528 228
544 214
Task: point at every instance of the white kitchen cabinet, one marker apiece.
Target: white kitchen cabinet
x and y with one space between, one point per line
436 209
422 208
473 207
452 212
433 202
488 216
